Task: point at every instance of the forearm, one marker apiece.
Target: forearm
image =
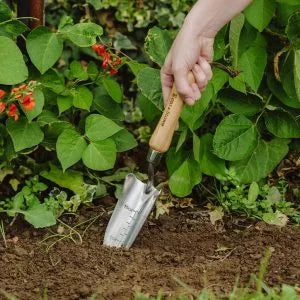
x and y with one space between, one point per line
209 16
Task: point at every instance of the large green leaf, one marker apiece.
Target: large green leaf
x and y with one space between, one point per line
98 128
282 124
278 91
235 138
13 69
261 161
82 97
77 71
112 88
107 106
53 80
240 104
83 34
260 13
101 155
253 62
157 44
148 81
64 103
297 72
12 29
236 26
69 147
293 29
124 140
185 178
218 80
39 104
209 163
5 12
44 48
69 179
23 134
238 83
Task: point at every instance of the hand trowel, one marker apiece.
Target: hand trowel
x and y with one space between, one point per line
137 198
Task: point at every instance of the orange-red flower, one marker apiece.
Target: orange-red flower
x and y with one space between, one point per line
28 103
23 86
113 71
117 61
2 94
2 107
13 112
99 49
15 90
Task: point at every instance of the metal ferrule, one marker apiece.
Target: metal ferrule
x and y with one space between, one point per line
154 157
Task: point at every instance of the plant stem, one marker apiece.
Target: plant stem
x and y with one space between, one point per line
263 110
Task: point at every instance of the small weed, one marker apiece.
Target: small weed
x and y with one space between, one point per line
2 232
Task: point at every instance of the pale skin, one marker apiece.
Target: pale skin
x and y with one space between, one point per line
192 50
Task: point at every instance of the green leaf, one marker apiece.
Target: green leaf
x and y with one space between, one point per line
5 12
182 138
53 81
113 89
240 104
93 71
219 44
82 97
107 106
253 192
157 45
13 69
98 128
77 71
44 48
69 179
97 4
124 140
277 89
253 62
261 161
64 103
39 216
277 218
196 147
70 146
293 29
209 163
39 104
235 138
123 42
218 80
238 83
23 134
175 159
185 178
83 34
289 2
148 81
282 124
47 117
136 67
12 29
236 26
101 155
297 73
260 13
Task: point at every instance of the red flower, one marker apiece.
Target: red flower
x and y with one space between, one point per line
23 87
2 107
117 61
29 93
113 71
13 112
28 103
15 90
2 94
99 49
18 96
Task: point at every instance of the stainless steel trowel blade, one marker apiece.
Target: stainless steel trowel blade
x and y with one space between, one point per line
132 209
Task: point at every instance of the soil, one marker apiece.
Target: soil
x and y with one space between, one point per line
182 246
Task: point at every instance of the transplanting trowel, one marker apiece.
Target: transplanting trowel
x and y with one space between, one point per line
137 198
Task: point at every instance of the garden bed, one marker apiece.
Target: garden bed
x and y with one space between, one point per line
182 246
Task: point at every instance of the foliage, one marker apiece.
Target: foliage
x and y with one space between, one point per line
256 110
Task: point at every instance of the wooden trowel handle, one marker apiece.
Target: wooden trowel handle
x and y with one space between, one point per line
162 136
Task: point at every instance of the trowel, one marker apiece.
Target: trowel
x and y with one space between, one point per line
137 198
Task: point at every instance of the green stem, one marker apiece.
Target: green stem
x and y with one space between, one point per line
264 108
21 18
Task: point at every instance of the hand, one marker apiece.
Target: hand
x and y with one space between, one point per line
192 49
189 52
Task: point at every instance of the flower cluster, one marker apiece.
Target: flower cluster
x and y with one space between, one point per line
108 60
22 95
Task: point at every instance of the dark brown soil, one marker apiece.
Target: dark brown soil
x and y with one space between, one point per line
183 246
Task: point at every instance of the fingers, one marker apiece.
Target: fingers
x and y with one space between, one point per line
206 68
202 73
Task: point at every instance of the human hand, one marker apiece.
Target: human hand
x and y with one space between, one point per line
189 52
